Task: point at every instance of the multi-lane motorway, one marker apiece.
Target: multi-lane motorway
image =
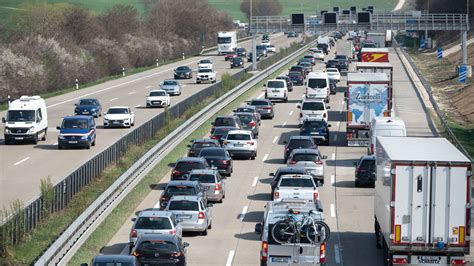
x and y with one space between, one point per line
22 166
348 210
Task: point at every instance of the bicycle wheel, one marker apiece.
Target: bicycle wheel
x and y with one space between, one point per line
283 231
317 232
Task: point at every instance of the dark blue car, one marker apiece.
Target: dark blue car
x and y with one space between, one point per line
318 129
88 107
77 131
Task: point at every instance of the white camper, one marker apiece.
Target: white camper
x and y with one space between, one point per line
226 42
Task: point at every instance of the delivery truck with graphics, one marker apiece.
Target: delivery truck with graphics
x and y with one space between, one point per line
374 55
422 201
368 96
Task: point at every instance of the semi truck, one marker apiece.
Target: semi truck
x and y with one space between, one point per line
368 96
226 42
422 201
374 55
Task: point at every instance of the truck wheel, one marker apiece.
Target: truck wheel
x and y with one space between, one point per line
45 135
35 139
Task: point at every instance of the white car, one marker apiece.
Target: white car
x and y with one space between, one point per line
333 74
318 54
296 186
158 98
205 64
313 108
241 143
271 48
119 116
205 75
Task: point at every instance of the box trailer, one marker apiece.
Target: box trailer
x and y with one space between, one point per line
377 37
368 96
422 201
374 55
378 67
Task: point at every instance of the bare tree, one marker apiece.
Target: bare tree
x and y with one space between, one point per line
120 20
80 25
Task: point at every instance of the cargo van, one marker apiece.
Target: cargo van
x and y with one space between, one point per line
276 89
27 120
317 86
385 127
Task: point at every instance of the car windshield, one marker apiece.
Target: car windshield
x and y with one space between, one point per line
305 64
296 143
212 152
240 50
275 84
296 182
317 83
203 178
223 40
308 125
256 102
205 61
199 145
188 166
316 106
223 130
246 118
180 190
307 157
183 205
182 68
154 247
21 116
170 82
157 93
223 121
237 60
205 70
117 111
74 123
238 137
153 223
87 102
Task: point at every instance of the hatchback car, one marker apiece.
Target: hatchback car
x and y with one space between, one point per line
310 160
183 72
88 107
298 142
299 69
185 165
318 54
264 107
241 143
221 132
192 212
249 122
226 121
212 182
154 221
113 260
159 249
365 171
198 144
318 129
289 83
172 87
344 61
249 109
311 58
250 57
307 66
284 171
333 64
296 77
230 56
237 62
77 131
333 74
241 52
219 159
119 116
180 188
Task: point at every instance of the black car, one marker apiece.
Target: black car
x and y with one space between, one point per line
289 83
343 61
299 69
318 129
241 52
365 171
323 47
264 107
250 57
221 132
333 64
292 34
226 121
237 62
332 86
183 72
90 106
181 188
284 171
307 66
113 260
185 165
262 49
249 109
298 142
296 77
337 35
198 144
159 249
219 158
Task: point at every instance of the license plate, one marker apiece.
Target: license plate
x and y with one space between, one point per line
238 145
85 113
429 259
115 122
183 216
275 91
281 259
19 138
314 133
73 141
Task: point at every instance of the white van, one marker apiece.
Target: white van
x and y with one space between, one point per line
385 127
317 86
276 89
27 120
313 108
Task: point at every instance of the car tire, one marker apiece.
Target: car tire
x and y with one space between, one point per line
198 82
93 143
210 225
204 233
60 147
45 135
7 142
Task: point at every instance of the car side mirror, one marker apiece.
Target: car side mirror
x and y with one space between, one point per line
189 146
58 128
258 228
212 123
133 219
298 106
171 165
324 156
4 120
304 83
300 125
75 104
104 113
264 85
185 244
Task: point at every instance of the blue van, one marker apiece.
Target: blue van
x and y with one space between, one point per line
77 131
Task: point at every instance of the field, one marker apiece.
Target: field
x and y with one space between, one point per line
230 6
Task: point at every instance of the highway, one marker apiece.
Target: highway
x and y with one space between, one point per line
348 210
22 166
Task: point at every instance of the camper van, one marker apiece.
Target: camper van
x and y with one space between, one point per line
26 120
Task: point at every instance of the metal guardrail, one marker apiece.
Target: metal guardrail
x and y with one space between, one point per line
440 113
78 232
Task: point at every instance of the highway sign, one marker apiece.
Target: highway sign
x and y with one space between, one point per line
462 73
440 53
422 43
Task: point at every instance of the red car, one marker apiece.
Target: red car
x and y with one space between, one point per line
230 56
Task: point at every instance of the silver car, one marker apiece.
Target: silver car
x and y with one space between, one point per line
171 86
212 182
192 212
154 221
310 160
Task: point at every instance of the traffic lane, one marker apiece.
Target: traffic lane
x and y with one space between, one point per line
36 168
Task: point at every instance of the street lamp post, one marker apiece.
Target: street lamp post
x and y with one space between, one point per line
254 40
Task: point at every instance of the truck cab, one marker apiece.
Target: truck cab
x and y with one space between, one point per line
385 127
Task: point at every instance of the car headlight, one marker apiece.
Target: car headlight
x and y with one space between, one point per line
7 130
83 137
93 109
61 136
31 130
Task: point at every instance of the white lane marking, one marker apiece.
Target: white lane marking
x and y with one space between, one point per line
275 139
261 95
291 112
19 162
343 102
147 87
55 144
255 180
284 124
121 84
333 156
335 137
132 92
337 254
333 179
338 123
244 211
333 210
138 105
265 157
230 258
157 205
302 96
114 99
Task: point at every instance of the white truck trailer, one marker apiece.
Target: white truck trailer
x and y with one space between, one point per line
226 42
422 201
378 38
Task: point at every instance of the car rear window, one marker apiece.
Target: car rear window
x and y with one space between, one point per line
245 110
203 178
224 121
275 84
188 166
296 143
294 73
256 102
183 205
199 145
246 118
180 190
153 223
318 106
317 83
222 131
332 70
238 137
306 157
212 152
157 246
296 182
116 263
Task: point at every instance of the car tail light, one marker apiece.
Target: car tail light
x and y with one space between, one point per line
250 143
264 254
315 196
133 233
217 187
136 254
267 108
172 232
462 230
292 162
301 77
224 161
322 253
201 216
399 261
276 195
349 136
213 137
175 254
458 262
176 172
318 162
164 198
252 124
